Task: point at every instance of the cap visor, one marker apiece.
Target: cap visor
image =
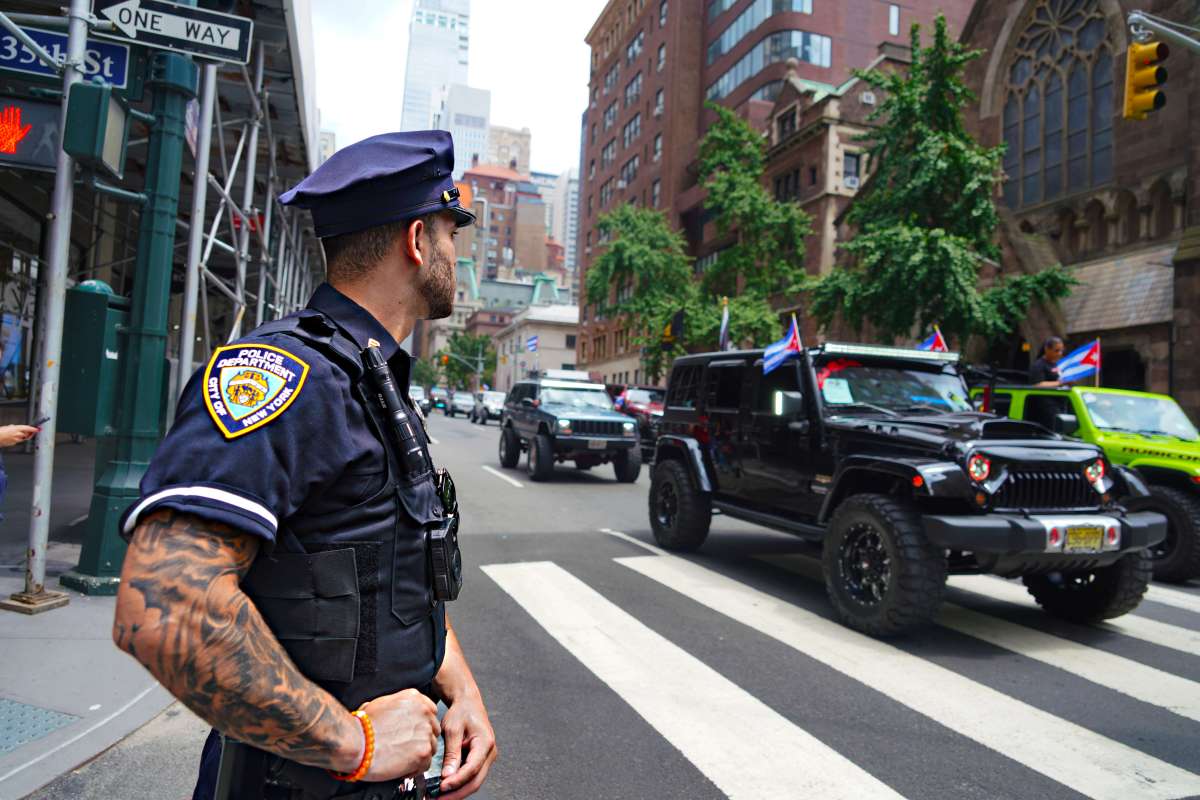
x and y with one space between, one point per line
462 217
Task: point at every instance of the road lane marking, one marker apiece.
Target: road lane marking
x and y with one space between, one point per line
1132 625
1061 750
1123 675
626 537
431 439
1174 597
502 476
714 723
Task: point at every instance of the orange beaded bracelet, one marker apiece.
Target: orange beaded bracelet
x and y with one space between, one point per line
368 751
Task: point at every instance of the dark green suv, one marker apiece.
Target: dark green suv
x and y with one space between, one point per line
558 420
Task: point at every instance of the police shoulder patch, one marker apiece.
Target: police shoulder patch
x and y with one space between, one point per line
248 385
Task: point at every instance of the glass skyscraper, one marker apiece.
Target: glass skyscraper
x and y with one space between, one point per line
438 39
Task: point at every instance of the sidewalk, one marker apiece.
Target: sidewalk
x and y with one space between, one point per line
66 692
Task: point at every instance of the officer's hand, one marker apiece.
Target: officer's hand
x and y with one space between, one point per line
406 734
468 729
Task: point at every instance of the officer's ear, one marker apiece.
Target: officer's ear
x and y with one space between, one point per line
416 241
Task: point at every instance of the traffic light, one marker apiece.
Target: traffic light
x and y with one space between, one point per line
1144 74
445 360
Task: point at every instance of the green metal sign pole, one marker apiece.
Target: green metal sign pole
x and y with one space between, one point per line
144 342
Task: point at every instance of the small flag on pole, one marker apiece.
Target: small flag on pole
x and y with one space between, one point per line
1080 363
723 340
531 344
784 349
935 342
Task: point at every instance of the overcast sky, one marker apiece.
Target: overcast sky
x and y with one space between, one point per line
529 53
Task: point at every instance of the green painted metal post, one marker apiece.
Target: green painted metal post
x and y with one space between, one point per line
144 342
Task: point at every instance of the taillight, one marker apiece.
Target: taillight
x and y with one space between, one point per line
979 468
1095 470
1112 535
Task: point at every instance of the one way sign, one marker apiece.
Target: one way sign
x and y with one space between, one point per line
169 26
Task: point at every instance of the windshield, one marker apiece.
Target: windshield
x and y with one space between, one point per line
848 383
644 395
416 392
1147 415
590 399
438 392
493 397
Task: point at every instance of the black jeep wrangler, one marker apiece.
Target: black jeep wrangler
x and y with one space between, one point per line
559 420
877 453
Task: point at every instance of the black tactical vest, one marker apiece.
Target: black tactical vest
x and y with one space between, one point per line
347 589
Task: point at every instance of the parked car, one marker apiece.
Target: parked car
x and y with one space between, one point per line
488 405
557 420
645 405
877 454
439 398
1144 431
417 393
461 402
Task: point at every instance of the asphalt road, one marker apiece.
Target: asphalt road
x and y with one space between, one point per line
614 670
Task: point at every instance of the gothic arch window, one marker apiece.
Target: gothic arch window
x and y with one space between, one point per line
1058 103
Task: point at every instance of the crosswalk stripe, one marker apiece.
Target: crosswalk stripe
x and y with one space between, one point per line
1132 625
1174 597
1115 672
717 725
1061 750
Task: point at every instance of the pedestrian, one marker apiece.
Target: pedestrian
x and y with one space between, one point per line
11 435
293 548
1044 371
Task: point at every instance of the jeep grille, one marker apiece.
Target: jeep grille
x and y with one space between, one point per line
596 427
1046 490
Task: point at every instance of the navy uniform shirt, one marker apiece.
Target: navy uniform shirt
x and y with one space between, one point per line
309 441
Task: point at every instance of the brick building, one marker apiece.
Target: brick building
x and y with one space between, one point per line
655 62
510 232
1110 197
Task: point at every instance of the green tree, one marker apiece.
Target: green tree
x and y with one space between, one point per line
468 347
926 220
424 373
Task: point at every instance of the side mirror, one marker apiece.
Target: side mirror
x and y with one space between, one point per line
1066 424
788 404
527 402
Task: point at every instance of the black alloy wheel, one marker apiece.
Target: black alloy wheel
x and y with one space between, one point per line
866 565
680 515
666 505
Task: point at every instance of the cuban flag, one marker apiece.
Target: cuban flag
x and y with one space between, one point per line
1081 363
784 349
531 344
936 342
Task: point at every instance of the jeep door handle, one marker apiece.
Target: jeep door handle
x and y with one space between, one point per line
800 426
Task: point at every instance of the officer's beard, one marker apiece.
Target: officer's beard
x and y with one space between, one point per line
438 287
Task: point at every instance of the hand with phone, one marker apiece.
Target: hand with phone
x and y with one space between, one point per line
15 434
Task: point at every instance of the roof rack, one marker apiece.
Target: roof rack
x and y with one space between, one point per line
838 348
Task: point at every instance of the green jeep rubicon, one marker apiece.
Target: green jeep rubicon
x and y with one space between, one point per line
1148 432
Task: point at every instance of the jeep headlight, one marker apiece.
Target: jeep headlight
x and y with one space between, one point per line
629 428
979 468
564 426
1094 471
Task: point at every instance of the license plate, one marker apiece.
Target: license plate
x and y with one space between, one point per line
1084 539
597 444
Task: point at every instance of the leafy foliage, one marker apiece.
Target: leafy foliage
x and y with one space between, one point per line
468 347
424 373
926 220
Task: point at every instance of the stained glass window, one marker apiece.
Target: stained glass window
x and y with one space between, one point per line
1058 104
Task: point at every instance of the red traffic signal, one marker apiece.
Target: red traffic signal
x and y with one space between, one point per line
1144 74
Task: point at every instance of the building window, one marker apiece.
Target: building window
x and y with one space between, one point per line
785 124
634 49
611 77
893 19
593 133
610 115
812 176
662 13
809 47
850 165
657 146
633 90
662 57
629 170
609 154
632 130
751 18
591 169
655 192
606 190
595 95
658 103
1058 105
571 341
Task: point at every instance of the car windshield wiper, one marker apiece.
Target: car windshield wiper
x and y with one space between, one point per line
926 407
839 406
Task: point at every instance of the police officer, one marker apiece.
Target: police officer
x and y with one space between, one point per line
293 548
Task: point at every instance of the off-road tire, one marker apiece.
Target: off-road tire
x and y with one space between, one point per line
1096 595
1177 559
914 571
510 448
686 525
627 464
541 458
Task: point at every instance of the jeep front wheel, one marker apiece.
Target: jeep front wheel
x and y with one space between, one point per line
1097 594
510 448
541 458
627 464
1177 557
882 575
679 514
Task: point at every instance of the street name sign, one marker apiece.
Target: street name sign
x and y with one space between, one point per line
107 60
184 29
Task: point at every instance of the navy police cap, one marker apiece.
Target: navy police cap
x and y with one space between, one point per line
386 178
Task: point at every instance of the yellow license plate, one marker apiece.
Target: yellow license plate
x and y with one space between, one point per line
1084 539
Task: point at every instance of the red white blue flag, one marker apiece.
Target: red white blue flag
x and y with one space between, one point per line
784 349
935 342
1081 363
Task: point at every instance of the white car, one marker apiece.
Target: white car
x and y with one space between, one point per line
488 405
461 402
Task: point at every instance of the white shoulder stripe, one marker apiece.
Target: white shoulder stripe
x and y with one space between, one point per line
207 492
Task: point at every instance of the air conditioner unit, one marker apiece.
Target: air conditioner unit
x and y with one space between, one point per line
658 110
867 98
621 184
851 181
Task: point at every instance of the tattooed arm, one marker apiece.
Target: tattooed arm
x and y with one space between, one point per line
181 613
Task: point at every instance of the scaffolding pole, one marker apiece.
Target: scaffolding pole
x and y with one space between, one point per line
243 261
264 256
35 598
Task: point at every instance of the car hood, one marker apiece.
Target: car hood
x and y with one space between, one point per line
645 408
1138 445
570 412
945 433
